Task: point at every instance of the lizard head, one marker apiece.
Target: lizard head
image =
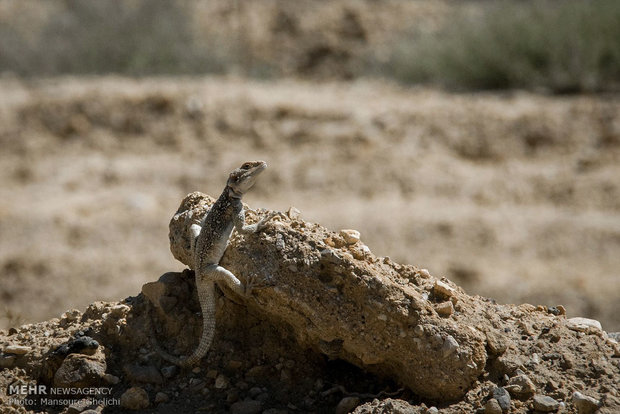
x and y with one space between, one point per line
244 177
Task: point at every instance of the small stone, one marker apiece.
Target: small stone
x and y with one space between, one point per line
7 361
350 236
161 397
293 213
432 410
545 403
450 345
135 398
212 373
503 398
614 336
444 309
584 325
196 370
255 391
584 403
492 407
147 374
418 330
443 289
497 343
246 407
17 349
221 382
234 365
79 370
347 404
111 379
521 385
425 273
169 371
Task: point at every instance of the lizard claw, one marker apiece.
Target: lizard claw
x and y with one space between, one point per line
263 222
256 282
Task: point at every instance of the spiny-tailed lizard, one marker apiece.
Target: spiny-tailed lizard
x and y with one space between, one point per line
208 243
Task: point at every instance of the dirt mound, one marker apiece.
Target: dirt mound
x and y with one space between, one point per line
338 328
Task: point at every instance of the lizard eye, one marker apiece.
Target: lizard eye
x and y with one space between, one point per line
246 166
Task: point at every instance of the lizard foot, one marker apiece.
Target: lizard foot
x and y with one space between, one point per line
263 222
256 282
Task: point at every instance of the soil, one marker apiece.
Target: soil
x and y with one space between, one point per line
514 196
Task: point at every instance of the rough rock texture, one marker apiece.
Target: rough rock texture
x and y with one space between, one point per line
335 324
342 301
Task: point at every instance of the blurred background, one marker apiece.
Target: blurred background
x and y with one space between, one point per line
478 139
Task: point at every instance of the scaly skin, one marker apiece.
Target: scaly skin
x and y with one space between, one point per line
209 241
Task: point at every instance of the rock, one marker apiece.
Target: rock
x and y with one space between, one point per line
614 335
584 325
444 308
503 398
584 403
7 361
347 404
450 346
521 386
135 398
496 343
545 404
161 397
424 273
492 407
154 291
293 213
79 371
246 407
432 410
442 289
111 379
169 371
221 382
17 349
350 236
138 373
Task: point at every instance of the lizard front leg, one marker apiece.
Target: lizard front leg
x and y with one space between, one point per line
242 228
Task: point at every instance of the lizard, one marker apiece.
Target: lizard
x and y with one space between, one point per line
208 242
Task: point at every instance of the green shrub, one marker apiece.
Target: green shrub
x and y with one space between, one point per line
562 46
133 37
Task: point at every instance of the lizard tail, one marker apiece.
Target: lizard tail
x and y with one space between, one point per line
206 297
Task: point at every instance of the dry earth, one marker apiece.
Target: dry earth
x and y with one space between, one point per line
336 329
514 196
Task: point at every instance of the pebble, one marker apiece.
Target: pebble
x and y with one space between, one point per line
221 382
161 397
135 398
492 407
169 371
545 403
139 373
7 361
350 236
584 325
450 345
444 308
425 273
111 379
78 371
584 403
246 407
503 398
521 385
432 410
17 349
347 404
293 213
196 370
443 289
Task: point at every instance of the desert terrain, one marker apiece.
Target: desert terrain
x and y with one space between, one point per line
514 196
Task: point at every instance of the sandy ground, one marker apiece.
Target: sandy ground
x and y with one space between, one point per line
515 196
